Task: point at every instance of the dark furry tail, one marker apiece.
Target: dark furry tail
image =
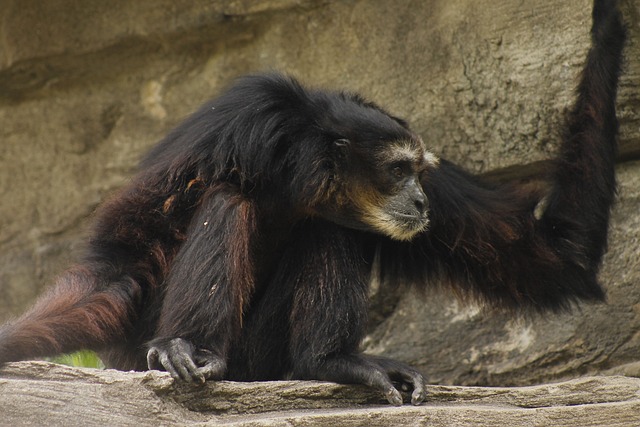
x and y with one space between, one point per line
521 248
76 314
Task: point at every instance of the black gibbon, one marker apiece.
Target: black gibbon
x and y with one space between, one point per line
243 247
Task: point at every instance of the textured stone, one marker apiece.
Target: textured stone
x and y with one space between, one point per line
38 393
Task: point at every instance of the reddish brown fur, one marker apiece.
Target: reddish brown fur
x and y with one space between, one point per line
95 317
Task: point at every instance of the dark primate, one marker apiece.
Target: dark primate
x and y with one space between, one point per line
243 247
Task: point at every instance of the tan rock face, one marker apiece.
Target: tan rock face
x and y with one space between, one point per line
86 88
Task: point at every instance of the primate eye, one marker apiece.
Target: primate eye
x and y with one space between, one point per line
340 147
400 169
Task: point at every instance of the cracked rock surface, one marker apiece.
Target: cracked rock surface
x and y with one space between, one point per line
41 393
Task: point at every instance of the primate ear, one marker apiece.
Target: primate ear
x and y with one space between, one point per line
340 148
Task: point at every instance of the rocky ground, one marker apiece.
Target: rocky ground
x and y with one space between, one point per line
41 393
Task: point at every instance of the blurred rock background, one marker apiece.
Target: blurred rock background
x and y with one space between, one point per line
87 87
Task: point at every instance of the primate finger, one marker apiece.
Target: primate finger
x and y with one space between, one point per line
419 394
414 380
188 369
152 359
167 364
381 381
214 368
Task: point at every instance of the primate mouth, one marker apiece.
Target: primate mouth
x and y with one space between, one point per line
411 223
414 224
400 225
411 217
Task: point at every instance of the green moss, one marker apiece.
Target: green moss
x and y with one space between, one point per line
83 359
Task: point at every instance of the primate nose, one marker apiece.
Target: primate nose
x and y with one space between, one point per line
421 202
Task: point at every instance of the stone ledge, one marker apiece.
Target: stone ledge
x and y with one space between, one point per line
41 393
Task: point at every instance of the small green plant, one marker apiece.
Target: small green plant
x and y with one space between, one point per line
82 359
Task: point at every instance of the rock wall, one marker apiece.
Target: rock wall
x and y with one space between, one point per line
87 87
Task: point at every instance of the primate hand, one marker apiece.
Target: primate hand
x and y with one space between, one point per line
184 361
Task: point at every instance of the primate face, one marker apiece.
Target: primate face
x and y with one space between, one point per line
375 162
395 203
386 191
376 186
